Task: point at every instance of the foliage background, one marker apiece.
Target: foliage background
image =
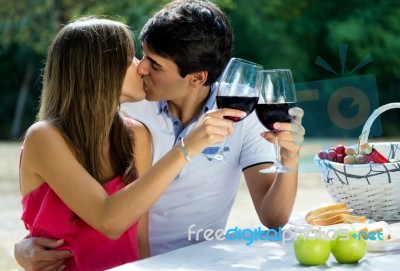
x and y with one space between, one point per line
276 33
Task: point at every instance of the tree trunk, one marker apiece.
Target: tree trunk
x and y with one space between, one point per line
19 109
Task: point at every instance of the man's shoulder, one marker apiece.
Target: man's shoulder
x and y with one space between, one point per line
136 109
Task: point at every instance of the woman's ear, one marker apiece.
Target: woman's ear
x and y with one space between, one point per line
198 78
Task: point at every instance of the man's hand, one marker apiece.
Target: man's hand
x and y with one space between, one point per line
290 137
33 254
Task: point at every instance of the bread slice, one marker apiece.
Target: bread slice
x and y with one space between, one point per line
355 219
325 208
339 218
332 213
329 221
328 214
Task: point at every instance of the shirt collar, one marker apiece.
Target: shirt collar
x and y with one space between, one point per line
162 107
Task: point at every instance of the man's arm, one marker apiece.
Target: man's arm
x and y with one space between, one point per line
273 198
33 254
273 195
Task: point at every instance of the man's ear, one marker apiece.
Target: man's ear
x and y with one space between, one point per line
198 78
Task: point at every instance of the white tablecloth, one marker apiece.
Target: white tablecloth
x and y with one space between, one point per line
261 255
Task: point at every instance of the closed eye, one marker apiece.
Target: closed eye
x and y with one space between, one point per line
154 65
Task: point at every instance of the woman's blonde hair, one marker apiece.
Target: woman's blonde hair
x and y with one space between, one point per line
83 77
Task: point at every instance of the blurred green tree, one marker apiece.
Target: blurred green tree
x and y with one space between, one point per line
27 28
294 33
275 33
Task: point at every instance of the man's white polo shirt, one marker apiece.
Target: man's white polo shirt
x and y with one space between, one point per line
204 192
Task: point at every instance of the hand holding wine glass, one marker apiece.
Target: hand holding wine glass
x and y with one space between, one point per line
278 96
236 89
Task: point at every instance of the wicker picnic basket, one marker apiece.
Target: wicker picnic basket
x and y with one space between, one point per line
372 190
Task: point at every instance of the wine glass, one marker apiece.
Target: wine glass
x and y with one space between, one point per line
236 89
278 95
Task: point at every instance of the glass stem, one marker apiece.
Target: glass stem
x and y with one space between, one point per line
222 146
277 150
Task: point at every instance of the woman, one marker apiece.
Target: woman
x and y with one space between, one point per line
84 171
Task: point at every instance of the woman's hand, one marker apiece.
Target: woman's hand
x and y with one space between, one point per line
211 129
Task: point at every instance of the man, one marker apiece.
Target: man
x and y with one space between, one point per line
186 46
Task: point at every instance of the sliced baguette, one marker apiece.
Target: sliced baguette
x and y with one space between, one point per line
339 218
335 219
328 214
333 213
325 208
355 219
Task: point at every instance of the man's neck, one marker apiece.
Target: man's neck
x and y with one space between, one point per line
189 107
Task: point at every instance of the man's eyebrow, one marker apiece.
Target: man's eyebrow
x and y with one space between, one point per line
153 61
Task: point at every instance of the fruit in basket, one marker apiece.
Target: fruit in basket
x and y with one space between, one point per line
360 159
311 251
349 250
348 155
373 154
350 151
349 159
323 155
340 158
332 155
343 154
340 149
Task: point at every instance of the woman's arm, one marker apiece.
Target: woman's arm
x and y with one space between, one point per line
143 236
47 155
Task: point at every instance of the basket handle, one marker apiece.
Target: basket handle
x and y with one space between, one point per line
367 126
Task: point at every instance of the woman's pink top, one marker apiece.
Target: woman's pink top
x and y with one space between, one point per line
45 215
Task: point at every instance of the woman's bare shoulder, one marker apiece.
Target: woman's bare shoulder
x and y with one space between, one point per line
140 130
41 146
42 136
42 131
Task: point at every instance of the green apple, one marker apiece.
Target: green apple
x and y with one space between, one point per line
311 251
349 249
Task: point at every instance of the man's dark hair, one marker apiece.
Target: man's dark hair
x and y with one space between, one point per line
195 34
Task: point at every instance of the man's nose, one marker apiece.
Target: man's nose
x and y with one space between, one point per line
142 67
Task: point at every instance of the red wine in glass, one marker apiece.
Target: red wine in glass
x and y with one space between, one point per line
278 94
236 88
268 114
246 104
